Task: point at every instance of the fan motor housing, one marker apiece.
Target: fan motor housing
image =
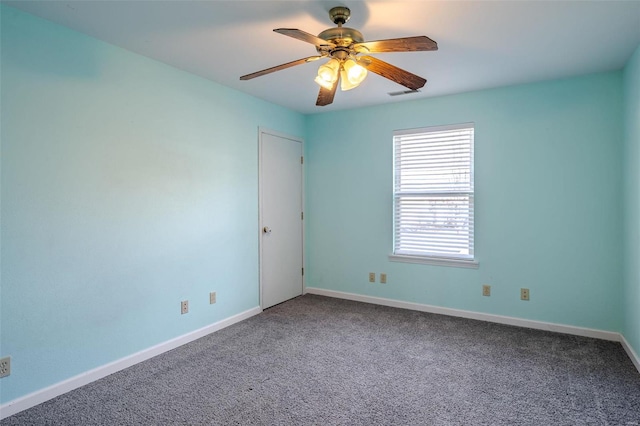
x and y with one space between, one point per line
342 36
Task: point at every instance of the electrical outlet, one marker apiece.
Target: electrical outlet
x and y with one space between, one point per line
383 278
5 366
184 307
372 277
486 290
212 297
524 294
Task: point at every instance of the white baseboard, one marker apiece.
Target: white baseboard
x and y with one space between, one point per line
19 404
538 325
629 350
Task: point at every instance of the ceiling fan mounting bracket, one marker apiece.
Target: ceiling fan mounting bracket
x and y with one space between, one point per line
339 15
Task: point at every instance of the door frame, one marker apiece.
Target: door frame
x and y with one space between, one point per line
261 132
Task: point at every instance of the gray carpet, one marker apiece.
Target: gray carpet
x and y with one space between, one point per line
322 361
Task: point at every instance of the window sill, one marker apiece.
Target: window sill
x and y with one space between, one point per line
438 261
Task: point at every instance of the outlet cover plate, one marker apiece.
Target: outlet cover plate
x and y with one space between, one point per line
212 297
372 277
486 290
184 307
5 366
383 278
524 294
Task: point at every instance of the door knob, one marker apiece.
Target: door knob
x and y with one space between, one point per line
266 230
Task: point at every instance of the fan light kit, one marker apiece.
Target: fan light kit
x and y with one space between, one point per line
348 56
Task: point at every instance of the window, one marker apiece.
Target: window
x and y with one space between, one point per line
433 195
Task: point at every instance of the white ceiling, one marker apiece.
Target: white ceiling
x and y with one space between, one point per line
482 44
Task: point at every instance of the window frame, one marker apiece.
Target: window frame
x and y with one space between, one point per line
433 259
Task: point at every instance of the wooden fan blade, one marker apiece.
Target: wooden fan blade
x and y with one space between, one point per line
325 96
392 72
304 36
406 44
280 67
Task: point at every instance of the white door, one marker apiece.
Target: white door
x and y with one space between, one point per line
281 256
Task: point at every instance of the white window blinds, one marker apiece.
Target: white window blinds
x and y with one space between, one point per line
433 192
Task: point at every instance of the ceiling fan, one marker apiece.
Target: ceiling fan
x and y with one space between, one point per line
348 57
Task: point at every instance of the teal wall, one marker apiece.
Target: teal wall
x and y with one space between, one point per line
631 329
127 186
548 200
